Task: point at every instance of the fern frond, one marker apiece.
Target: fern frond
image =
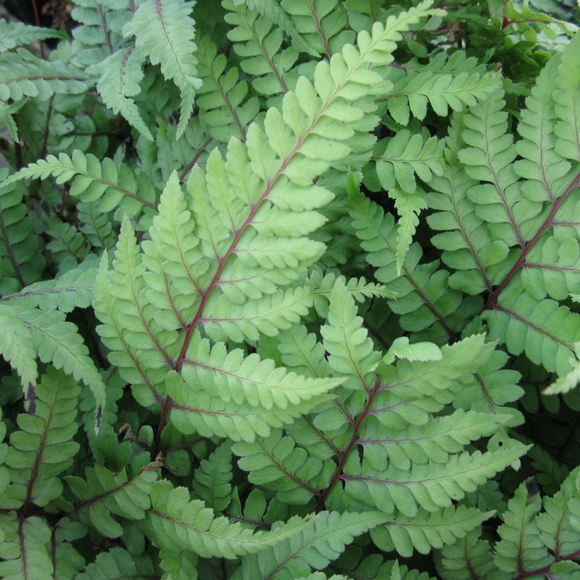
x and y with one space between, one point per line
95 225
545 171
119 77
135 312
434 441
430 486
423 297
558 523
235 376
104 494
321 541
16 347
302 353
74 289
542 329
427 530
132 363
567 105
350 349
278 464
552 268
272 10
489 158
321 24
470 557
118 563
13 34
43 447
521 547
114 185
398 159
66 240
258 42
25 549
223 97
57 341
178 565
164 32
100 32
196 410
22 262
479 261
189 525
24 75
456 83
212 479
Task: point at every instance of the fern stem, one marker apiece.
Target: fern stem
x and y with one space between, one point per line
319 29
201 149
352 443
46 129
105 28
37 19
493 295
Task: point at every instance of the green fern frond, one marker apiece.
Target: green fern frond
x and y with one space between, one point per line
104 494
489 157
100 31
223 97
470 557
118 563
521 547
528 325
178 565
25 549
558 523
350 350
73 289
119 77
423 297
235 376
545 171
258 42
164 32
552 268
321 541
457 83
13 34
133 365
321 24
479 261
434 441
427 530
113 184
302 353
66 241
43 447
195 410
24 75
212 479
57 341
16 347
567 103
398 159
322 284
272 10
22 261
173 515
276 463
95 225
429 486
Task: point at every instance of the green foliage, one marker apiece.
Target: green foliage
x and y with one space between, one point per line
289 290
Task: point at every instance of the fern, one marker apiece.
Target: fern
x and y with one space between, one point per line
305 274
